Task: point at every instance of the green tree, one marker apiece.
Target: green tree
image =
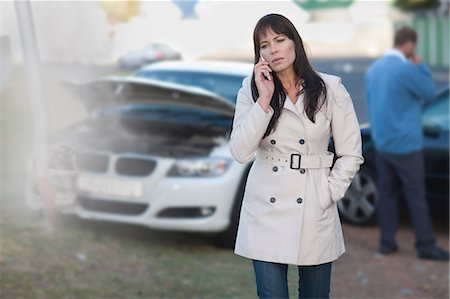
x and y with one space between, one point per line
412 5
321 4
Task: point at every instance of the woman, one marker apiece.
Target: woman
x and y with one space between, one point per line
285 114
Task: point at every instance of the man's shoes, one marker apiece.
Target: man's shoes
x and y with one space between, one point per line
385 249
434 253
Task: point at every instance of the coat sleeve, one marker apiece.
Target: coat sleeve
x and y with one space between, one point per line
249 125
347 142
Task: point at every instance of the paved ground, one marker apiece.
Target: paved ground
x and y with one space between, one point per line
362 273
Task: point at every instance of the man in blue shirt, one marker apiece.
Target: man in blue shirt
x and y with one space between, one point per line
397 85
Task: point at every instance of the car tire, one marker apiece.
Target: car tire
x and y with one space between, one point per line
359 205
227 238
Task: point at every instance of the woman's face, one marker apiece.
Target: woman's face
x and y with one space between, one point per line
278 50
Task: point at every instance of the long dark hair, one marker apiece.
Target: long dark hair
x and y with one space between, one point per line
313 86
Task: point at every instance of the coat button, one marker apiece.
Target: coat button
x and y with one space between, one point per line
302 141
302 170
275 169
272 199
299 200
273 141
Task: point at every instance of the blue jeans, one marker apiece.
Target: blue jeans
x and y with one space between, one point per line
271 280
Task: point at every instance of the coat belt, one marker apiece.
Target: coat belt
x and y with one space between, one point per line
295 160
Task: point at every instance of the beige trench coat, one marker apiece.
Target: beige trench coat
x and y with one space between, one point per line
289 213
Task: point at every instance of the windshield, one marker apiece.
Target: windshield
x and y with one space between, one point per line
226 86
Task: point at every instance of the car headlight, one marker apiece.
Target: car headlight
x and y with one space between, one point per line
61 157
208 167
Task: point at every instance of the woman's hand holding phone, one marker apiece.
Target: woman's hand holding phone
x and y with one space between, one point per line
266 73
264 82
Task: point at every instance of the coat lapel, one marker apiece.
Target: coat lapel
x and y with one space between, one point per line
289 105
297 108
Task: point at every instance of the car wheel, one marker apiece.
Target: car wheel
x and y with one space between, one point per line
359 203
227 238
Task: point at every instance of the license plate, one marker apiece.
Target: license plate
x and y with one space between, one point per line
109 186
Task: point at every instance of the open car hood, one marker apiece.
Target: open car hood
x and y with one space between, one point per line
112 91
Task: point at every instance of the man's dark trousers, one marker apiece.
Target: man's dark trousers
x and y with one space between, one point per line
403 174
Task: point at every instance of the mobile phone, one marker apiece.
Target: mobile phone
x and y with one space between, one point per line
411 55
266 75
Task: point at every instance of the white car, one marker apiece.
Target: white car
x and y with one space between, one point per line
153 150
151 53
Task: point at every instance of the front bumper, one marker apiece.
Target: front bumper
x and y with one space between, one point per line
196 204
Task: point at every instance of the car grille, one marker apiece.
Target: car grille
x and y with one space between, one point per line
112 207
186 212
134 166
92 162
123 165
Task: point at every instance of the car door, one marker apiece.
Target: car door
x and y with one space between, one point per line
436 151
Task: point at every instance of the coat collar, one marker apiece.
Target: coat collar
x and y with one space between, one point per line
396 52
297 108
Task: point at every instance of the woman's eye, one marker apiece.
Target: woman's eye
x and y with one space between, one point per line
263 46
281 40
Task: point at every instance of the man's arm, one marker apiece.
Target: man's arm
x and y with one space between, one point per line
418 79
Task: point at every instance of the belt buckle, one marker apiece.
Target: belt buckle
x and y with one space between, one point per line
292 160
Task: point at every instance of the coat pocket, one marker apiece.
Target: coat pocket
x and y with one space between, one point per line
325 194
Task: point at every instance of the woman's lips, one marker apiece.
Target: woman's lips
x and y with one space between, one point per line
277 60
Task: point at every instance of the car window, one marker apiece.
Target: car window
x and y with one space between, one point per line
438 113
226 86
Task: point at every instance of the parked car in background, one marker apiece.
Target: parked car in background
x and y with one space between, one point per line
153 150
221 78
359 204
150 53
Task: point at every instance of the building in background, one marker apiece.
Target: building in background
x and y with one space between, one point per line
98 32
430 18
